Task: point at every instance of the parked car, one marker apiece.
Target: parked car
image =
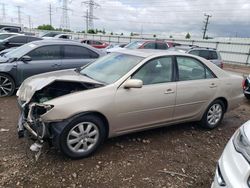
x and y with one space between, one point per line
123 92
10 27
233 168
114 47
39 57
210 54
95 43
148 44
246 87
16 41
56 35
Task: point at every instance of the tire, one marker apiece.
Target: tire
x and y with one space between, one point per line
213 115
7 85
247 96
76 141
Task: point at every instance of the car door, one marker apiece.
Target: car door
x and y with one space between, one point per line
153 103
44 59
196 87
76 56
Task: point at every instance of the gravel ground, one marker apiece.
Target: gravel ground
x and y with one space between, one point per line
143 159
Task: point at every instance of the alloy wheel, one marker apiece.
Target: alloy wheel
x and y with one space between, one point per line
6 86
82 137
214 114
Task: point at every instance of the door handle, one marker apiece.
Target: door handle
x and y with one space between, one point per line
169 91
213 85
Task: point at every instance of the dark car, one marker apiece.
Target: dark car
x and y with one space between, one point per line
16 41
149 44
246 87
39 57
210 54
95 43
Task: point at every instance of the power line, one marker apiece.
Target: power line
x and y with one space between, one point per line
206 24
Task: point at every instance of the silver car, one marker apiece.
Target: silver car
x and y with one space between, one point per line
233 169
124 92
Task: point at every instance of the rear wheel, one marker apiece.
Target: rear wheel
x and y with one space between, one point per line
82 137
213 115
247 96
7 85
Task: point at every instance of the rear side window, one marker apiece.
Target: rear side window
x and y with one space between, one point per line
30 39
78 52
52 52
192 69
96 43
194 52
213 55
18 39
162 46
150 45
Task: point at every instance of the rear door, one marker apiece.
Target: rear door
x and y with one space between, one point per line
196 87
76 56
44 59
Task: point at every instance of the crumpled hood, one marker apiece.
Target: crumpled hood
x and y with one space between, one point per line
38 82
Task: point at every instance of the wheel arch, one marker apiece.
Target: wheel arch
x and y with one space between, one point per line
8 74
224 100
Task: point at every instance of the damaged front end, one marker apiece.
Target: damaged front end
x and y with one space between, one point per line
31 124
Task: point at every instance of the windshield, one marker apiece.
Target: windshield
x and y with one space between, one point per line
111 67
134 45
20 51
4 36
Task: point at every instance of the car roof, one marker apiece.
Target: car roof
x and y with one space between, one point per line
55 41
147 52
190 47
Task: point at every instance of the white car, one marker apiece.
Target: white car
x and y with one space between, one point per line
233 169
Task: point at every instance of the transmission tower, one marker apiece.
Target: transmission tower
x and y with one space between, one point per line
50 15
206 24
19 14
91 5
3 12
65 18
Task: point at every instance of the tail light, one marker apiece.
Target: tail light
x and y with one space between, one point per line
221 64
244 84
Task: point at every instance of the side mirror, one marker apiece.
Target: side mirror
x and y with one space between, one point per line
133 83
26 58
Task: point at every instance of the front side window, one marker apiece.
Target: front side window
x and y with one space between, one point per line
192 69
155 71
78 52
18 39
45 53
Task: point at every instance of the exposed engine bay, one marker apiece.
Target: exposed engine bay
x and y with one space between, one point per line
31 124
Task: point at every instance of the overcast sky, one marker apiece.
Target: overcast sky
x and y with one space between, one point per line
170 17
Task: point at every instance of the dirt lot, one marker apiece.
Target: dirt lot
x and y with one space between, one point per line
135 160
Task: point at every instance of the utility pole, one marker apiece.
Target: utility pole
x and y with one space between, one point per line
91 5
3 12
65 18
19 14
206 24
29 22
50 14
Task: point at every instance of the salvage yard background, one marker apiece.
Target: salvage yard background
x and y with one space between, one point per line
177 156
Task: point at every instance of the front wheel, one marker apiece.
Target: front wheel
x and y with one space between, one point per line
81 137
7 85
213 115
